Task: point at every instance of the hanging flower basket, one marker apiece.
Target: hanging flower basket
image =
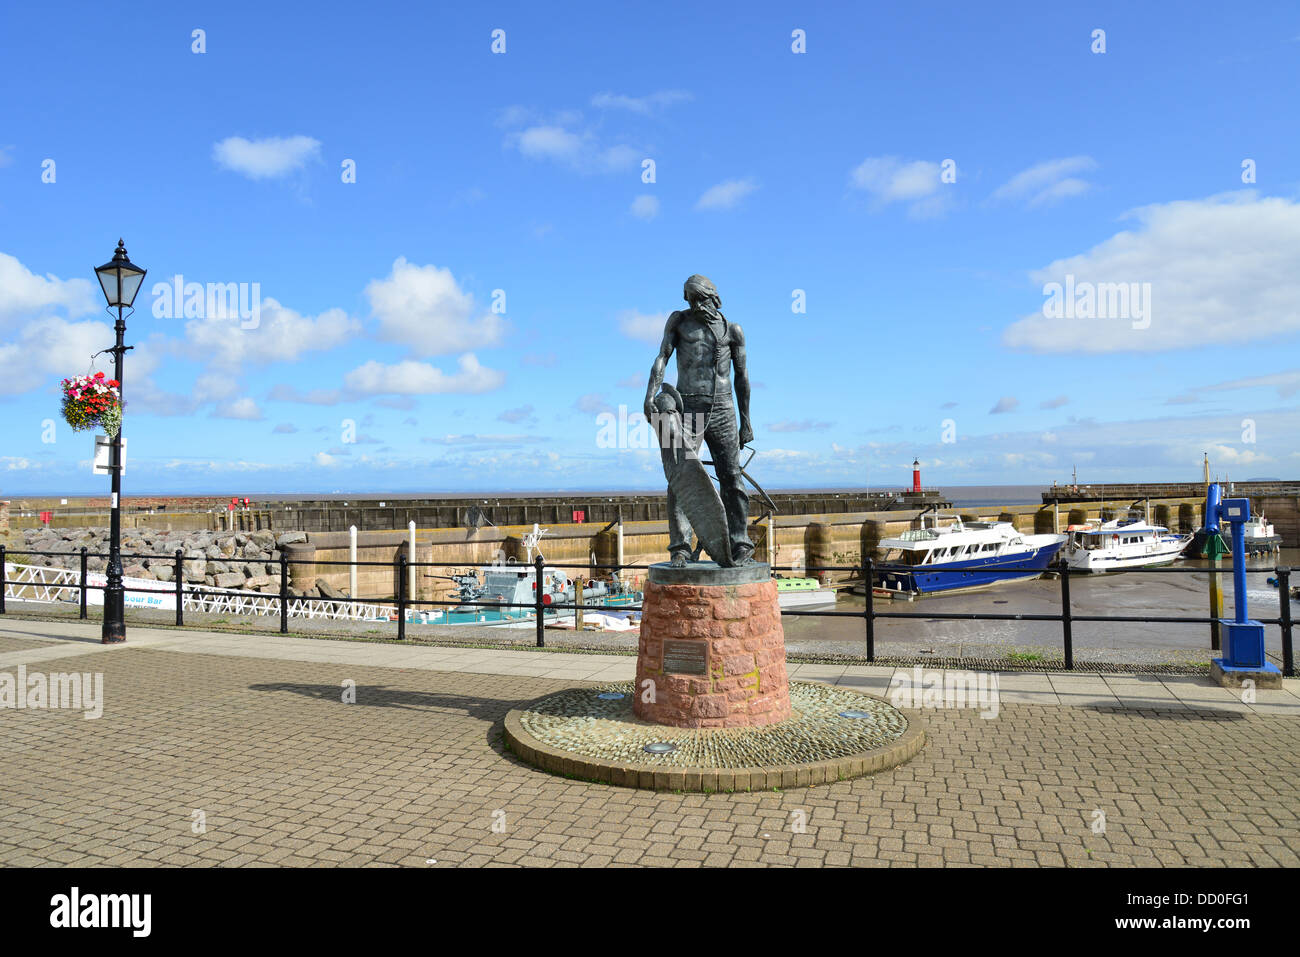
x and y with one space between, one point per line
92 402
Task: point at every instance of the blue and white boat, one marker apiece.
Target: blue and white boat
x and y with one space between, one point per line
957 556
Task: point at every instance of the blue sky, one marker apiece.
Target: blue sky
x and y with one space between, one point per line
921 176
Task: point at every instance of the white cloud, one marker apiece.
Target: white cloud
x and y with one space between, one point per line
27 295
806 425
550 142
213 386
243 408
1287 383
556 140
891 180
640 104
420 378
283 392
1221 270
494 441
645 207
424 308
1008 403
282 335
726 194
592 403
520 414
51 347
646 327
267 158
1047 182
1232 455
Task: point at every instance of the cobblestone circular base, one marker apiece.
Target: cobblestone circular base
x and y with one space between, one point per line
580 734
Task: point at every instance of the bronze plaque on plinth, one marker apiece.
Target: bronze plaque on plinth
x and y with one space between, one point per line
686 657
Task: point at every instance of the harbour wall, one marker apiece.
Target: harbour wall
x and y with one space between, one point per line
812 539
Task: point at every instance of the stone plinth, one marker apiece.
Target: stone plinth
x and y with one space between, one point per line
713 646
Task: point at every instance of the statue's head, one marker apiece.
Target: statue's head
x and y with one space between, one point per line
700 292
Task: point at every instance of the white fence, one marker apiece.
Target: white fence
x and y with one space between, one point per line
47 584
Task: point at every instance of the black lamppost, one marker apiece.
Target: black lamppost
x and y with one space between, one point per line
120 279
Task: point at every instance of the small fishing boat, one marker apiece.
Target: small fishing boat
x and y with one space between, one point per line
505 596
805 593
1120 544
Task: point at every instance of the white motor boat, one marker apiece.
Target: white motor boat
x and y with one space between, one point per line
1119 544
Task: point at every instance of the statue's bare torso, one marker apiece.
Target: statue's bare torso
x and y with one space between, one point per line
703 349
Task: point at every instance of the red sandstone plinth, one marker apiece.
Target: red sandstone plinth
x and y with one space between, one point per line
714 654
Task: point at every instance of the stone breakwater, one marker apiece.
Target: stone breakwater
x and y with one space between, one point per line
249 561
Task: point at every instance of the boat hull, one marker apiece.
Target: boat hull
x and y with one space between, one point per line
807 600
1100 562
952 576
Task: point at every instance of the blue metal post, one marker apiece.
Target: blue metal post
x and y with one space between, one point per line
1239 572
1243 639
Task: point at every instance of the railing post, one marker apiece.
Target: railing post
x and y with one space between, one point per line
4 576
1284 593
180 585
1067 619
538 566
401 597
869 608
84 566
284 592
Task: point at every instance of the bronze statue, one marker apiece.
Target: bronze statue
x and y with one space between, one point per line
700 409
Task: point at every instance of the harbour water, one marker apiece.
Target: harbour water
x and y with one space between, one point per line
1135 593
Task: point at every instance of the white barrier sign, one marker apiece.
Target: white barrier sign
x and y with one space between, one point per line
95 594
104 456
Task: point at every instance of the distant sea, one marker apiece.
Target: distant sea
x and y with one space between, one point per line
962 496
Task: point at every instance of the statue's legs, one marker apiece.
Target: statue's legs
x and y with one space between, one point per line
724 447
679 531
679 526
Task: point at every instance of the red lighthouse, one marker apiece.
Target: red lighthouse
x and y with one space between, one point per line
916 475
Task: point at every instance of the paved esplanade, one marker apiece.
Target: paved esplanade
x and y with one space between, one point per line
252 732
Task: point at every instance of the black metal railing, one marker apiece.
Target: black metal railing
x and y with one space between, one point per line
1066 617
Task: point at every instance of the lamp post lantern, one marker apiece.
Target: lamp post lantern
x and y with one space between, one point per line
120 279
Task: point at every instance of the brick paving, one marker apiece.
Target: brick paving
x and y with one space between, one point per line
285 773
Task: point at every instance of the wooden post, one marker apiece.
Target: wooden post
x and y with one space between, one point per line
410 583
1216 598
577 600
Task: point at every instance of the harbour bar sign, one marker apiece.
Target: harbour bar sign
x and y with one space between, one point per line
164 601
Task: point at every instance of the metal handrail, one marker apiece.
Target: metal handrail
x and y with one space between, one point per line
867 570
